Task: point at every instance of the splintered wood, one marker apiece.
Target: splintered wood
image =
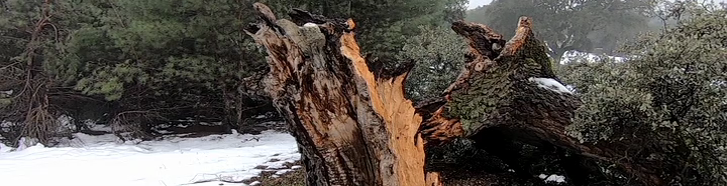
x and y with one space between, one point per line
353 127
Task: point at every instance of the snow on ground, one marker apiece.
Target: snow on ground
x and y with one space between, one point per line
576 56
104 160
4 148
550 84
6 92
573 56
552 178
310 25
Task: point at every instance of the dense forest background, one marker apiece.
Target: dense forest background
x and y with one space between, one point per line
138 65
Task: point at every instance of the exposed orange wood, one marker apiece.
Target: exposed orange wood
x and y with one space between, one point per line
439 129
387 99
523 31
434 179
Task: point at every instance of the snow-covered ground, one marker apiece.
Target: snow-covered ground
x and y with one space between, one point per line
552 178
576 56
103 160
551 84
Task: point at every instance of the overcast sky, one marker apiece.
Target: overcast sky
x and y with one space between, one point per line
476 3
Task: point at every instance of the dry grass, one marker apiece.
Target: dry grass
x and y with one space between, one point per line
40 124
131 124
450 178
292 178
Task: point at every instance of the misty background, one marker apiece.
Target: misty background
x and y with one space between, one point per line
477 3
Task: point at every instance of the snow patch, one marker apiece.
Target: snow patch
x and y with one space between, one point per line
6 92
93 126
5 127
310 25
551 84
255 183
284 171
27 142
552 178
4 148
89 160
65 124
576 56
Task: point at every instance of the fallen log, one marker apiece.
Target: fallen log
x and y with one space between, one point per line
354 125
510 87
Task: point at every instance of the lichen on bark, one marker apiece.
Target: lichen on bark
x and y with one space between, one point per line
486 97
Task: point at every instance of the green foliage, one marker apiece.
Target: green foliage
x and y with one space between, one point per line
669 100
169 41
383 27
387 40
439 56
153 44
157 45
27 30
168 58
15 16
174 58
606 103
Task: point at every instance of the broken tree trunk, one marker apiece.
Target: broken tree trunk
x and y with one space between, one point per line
354 125
509 88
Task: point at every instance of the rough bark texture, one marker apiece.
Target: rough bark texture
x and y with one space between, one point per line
498 93
353 127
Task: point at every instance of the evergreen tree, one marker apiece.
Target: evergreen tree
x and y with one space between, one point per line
439 55
668 100
383 27
135 64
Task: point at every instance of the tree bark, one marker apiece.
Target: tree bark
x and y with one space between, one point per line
506 88
354 125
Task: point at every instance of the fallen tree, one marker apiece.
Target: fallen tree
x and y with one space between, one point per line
354 125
